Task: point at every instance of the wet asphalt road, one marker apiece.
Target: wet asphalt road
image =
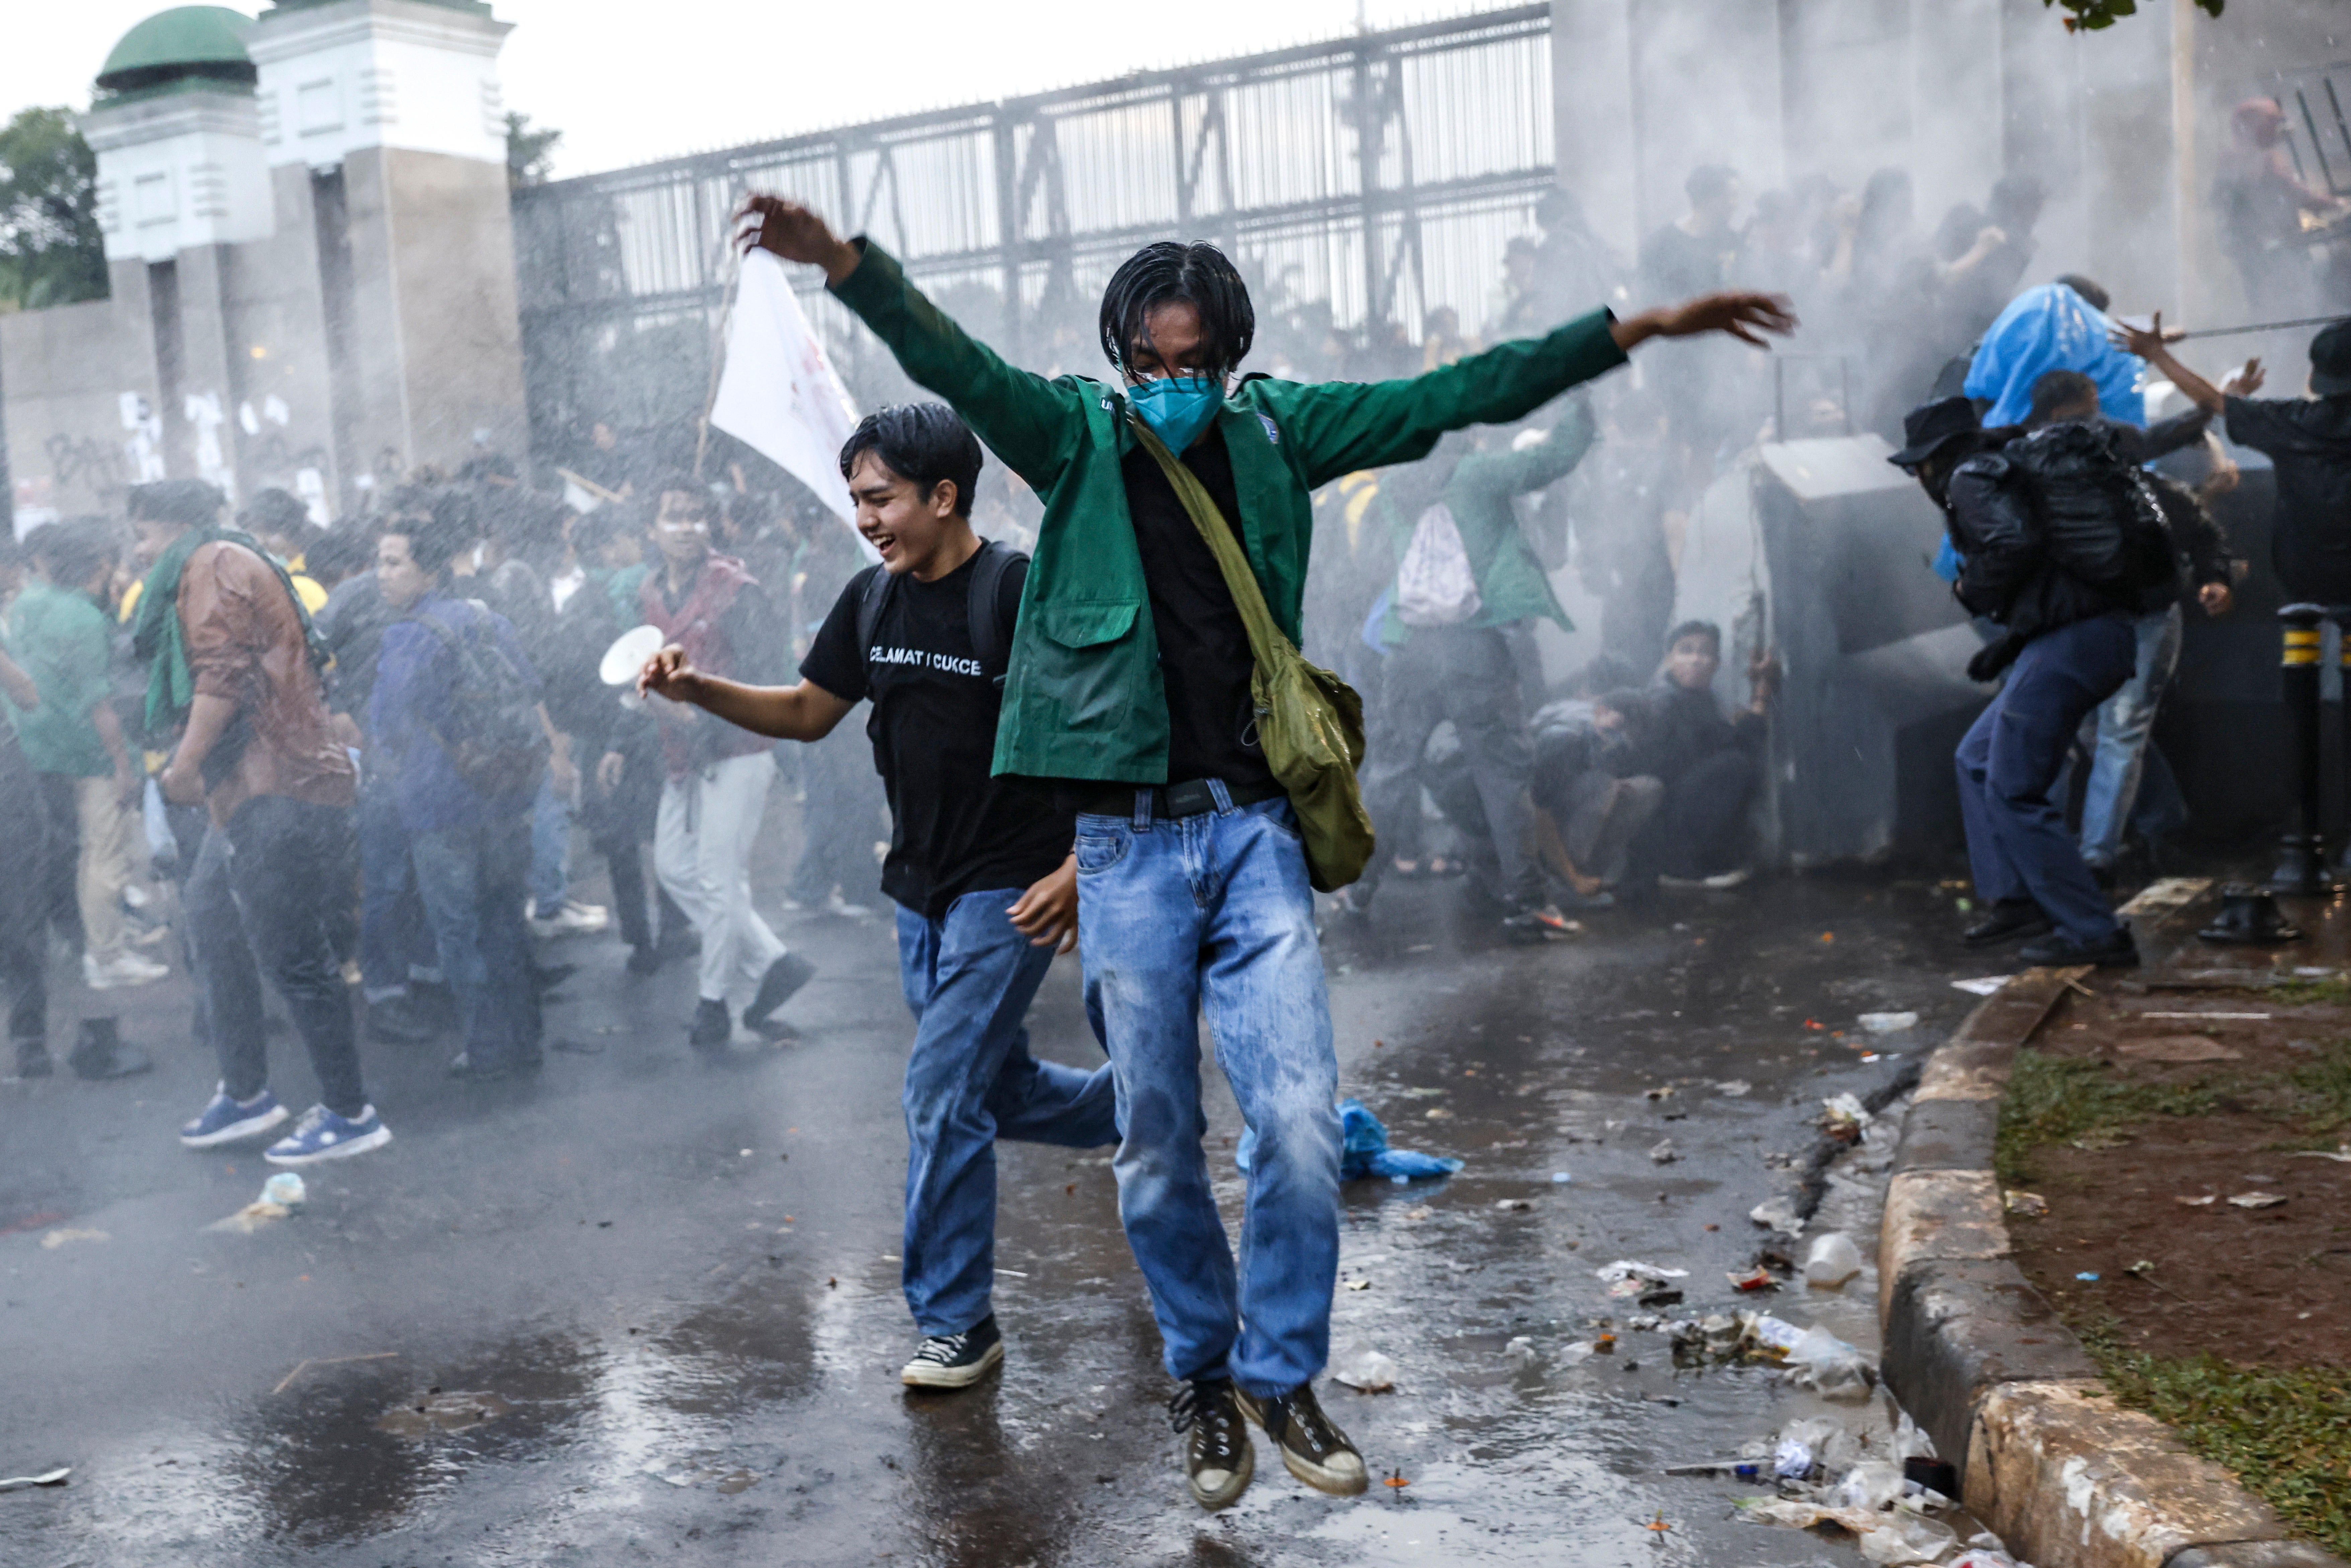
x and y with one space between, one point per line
664 1289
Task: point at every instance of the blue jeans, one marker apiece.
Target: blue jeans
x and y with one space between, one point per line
1212 914
472 879
2126 724
969 978
2017 844
391 936
551 842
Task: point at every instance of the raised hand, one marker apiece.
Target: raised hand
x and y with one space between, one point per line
1744 316
793 232
668 674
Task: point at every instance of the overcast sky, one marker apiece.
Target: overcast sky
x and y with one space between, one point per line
630 80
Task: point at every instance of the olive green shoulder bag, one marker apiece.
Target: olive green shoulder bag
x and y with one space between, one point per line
1310 723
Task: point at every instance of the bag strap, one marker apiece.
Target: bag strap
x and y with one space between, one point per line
985 609
869 608
1265 637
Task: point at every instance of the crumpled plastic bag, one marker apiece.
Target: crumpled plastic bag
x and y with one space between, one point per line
1366 1151
1873 1484
1907 1538
1830 1367
1363 1369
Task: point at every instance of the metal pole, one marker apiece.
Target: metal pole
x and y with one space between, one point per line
2341 615
2300 866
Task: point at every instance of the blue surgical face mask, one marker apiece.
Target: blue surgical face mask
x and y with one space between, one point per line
1177 408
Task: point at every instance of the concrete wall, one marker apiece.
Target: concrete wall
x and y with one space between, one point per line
72 448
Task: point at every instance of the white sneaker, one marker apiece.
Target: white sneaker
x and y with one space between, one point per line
572 918
125 968
841 909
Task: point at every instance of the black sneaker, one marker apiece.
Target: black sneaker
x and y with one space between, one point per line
955 1360
33 1058
644 960
2011 920
786 975
711 1029
1219 1459
100 1054
1313 1447
2059 952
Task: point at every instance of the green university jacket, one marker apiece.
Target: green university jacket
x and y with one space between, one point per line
1084 698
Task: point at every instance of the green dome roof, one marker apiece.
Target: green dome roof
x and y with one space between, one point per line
200 43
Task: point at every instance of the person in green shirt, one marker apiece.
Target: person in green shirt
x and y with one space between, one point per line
1451 655
74 739
1127 698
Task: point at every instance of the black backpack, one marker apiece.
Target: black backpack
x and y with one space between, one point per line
2098 516
493 738
990 642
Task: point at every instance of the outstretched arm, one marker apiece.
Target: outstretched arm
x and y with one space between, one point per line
1033 424
1340 426
804 712
2147 344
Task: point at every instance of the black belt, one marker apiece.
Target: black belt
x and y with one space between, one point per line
1188 799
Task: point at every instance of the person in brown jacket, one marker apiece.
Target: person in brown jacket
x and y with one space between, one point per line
233 672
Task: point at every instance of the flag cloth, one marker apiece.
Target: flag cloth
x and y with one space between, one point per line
2050 327
780 394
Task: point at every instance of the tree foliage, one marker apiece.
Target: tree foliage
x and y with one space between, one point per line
531 154
2091 15
51 252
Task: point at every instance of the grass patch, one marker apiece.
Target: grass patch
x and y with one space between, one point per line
2286 1434
2334 990
2077 1100
2322 1090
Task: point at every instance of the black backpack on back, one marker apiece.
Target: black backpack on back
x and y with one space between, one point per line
2098 515
990 645
493 738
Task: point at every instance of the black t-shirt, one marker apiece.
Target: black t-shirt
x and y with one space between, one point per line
2309 440
954 828
1203 648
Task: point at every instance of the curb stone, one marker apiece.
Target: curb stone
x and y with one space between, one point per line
2067 1477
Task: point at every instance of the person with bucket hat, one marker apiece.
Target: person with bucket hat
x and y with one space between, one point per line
2069 646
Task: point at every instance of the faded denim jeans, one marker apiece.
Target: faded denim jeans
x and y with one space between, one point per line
969 976
2126 726
1212 914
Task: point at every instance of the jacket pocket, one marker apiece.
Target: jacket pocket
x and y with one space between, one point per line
1079 666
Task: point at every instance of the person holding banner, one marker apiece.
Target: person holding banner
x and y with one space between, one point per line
1128 694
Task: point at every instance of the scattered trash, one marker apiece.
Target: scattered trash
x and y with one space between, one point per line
439 1412
56 1478
2242 1200
1757 1279
736 1482
1778 1213
1984 1557
1733 1087
1359 1284
2087 1278
2178 1048
1833 1259
1889 1023
1831 1368
1907 1538
1520 1354
1627 1278
1844 1119
1930 1474
1791 1459
1983 988
2031 1205
2340 1155
2205 1202
2165 895
1560 1178
1363 1369
1663 1153
1874 1484
1514 1204
53 1240
1438 1113
1366 1151
1745 1470
281 1195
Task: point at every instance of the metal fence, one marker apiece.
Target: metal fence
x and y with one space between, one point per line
1358 182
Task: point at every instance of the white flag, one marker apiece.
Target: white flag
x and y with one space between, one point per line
780 394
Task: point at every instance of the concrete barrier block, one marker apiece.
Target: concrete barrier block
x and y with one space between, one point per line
1967 1069
2255 1554
1959 1326
1937 1214
2068 1480
1947 1134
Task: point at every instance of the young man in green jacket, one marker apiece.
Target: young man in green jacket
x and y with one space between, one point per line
1128 696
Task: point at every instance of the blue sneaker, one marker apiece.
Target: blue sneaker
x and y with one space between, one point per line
224 1121
321 1135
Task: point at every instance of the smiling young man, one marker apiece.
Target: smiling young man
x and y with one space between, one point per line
982 873
1128 690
